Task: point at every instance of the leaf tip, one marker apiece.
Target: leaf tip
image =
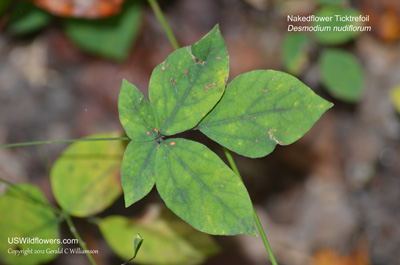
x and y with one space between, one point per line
128 200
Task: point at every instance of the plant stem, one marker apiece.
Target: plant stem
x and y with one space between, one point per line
160 16
62 215
65 141
30 198
82 244
257 220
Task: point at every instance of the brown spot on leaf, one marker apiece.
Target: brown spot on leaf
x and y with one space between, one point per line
272 137
218 57
197 60
163 68
172 81
147 132
172 143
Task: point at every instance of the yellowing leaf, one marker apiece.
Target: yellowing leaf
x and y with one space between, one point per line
395 97
26 215
167 240
85 177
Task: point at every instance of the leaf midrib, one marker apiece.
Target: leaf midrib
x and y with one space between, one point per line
180 102
203 185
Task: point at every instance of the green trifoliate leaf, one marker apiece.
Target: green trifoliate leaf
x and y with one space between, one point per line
261 109
138 170
136 114
197 186
187 85
342 74
26 218
85 178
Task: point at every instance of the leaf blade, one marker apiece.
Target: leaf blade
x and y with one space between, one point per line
185 87
112 37
138 170
294 52
168 240
26 18
276 108
84 179
28 215
334 37
136 114
342 74
395 97
197 186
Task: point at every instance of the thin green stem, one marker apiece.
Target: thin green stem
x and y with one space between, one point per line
160 16
63 216
257 220
82 244
29 197
65 141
